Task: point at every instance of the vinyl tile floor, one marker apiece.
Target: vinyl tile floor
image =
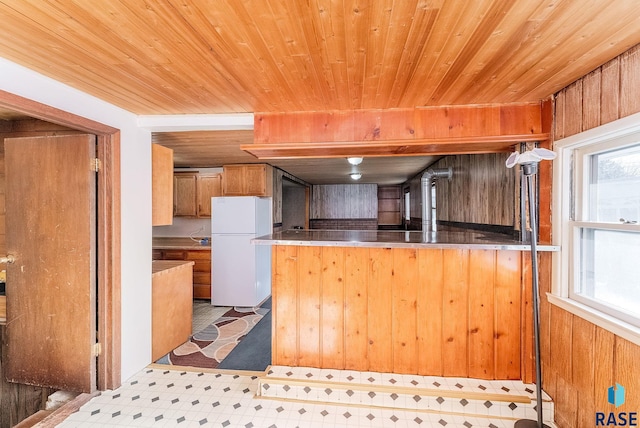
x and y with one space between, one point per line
204 314
158 397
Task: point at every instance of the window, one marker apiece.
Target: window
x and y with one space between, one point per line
597 186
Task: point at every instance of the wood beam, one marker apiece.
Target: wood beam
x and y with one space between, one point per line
401 132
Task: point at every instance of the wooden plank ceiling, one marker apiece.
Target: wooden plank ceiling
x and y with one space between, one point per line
224 56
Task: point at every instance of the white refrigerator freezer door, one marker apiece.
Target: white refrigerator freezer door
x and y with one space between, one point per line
233 214
233 270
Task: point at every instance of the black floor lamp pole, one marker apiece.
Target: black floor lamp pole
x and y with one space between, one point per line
529 170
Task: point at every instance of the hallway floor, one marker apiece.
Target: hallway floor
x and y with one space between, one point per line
160 397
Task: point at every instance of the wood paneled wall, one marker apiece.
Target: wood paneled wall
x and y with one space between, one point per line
482 191
344 201
580 359
446 312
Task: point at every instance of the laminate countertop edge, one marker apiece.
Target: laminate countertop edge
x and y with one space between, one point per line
398 239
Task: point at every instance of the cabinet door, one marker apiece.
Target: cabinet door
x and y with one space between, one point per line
233 180
255 180
162 185
208 186
184 196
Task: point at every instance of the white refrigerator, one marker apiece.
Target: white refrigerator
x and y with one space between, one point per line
240 270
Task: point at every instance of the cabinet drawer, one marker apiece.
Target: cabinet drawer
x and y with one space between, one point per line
156 255
201 278
199 255
174 255
202 265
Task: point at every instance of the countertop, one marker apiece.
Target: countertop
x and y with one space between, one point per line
398 239
185 243
160 266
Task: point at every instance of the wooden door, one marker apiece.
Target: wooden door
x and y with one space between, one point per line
51 286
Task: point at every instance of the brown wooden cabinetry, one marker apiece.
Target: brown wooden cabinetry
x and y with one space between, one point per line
193 192
162 185
248 180
389 205
201 268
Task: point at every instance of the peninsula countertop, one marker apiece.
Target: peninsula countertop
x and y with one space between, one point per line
399 239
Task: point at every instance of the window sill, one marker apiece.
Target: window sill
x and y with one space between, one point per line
607 322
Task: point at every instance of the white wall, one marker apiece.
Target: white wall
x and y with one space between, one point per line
135 204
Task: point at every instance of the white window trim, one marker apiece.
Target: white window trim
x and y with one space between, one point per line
627 128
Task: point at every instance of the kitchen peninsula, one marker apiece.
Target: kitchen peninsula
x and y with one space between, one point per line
446 303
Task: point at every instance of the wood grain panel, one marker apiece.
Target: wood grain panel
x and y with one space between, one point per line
379 296
573 109
455 316
526 319
482 319
561 322
476 180
332 301
310 304
627 371
629 81
397 310
404 305
508 310
591 86
285 313
610 95
344 201
582 360
356 302
429 311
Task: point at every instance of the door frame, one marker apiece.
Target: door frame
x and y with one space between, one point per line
108 228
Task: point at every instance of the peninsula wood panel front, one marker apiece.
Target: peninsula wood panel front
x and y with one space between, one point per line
451 312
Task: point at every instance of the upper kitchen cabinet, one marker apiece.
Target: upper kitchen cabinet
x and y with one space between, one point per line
162 185
193 192
207 186
248 180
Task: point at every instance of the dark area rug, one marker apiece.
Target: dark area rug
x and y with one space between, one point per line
254 351
207 348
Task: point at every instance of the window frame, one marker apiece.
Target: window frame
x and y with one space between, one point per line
568 222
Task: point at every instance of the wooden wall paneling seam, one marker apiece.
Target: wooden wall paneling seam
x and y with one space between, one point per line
610 92
356 309
310 308
509 332
629 81
379 296
332 302
429 311
482 320
455 313
404 301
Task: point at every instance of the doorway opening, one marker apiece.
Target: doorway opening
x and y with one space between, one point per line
108 370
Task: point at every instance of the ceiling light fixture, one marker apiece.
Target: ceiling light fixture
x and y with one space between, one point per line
356 176
354 161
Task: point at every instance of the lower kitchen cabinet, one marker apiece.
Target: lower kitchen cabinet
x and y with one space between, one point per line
201 258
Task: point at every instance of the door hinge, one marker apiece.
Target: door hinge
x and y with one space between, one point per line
95 164
97 349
